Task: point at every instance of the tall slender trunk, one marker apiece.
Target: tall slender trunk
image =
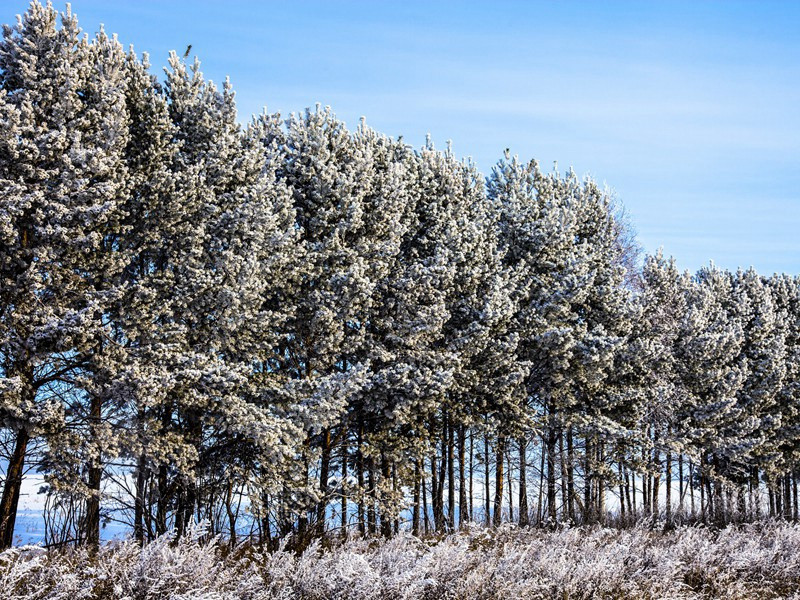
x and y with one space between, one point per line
552 439
588 517
425 519
486 487
498 481
601 483
415 512
438 518
362 526
656 474
510 479
11 489
386 516
471 464
371 497
540 495
523 482
621 476
463 510
343 486
681 485
138 510
570 476
451 479
324 474
787 497
668 484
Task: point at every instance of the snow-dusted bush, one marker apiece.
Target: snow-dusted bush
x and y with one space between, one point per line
750 561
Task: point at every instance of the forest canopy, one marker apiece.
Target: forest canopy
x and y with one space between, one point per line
287 327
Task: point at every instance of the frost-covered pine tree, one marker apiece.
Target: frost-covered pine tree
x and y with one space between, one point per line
65 97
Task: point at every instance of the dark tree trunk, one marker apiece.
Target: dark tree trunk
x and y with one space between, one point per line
451 479
570 476
498 482
343 487
415 513
552 440
11 489
471 465
487 489
386 516
463 510
523 482
92 533
362 526
324 474
588 517
371 498
668 484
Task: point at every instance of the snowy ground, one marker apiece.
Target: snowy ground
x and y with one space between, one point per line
752 561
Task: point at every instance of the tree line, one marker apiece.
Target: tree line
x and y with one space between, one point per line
288 328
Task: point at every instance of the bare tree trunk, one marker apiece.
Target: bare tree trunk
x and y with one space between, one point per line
668 484
92 533
138 510
621 475
552 515
324 474
343 486
487 492
601 483
362 526
386 517
371 497
787 497
498 482
587 481
425 519
523 482
415 513
463 511
656 475
471 465
681 485
451 480
570 476
11 489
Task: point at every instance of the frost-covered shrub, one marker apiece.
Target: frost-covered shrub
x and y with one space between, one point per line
750 561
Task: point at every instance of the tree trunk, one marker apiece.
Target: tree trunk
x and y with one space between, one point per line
386 517
487 489
138 511
343 487
471 464
463 510
570 476
451 479
415 513
587 481
668 484
523 482
362 526
498 482
11 489
92 533
552 439
324 474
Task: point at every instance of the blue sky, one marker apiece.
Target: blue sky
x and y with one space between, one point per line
689 111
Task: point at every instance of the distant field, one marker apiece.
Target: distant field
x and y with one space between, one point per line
751 561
